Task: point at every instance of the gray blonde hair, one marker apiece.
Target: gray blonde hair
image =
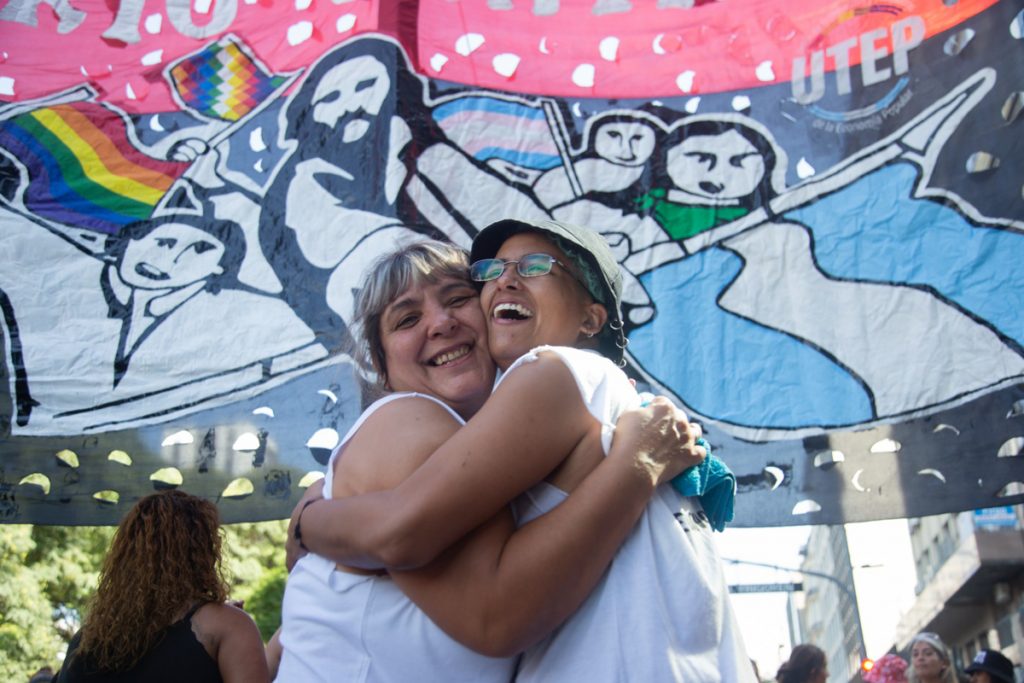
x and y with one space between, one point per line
936 643
417 263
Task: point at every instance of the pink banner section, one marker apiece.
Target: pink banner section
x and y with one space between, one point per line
122 50
624 49
595 48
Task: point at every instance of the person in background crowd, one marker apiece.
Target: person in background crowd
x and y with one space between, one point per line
929 660
44 675
159 613
806 664
990 666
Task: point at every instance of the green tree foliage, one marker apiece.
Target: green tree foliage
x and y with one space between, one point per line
254 560
251 549
28 638
67 560
264 604
49 573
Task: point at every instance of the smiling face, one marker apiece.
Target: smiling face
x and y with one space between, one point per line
624 142
715 169
525 312
170 256
434 340
927 661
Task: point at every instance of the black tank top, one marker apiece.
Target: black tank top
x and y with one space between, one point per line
177 656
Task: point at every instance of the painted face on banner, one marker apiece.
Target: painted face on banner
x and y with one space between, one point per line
716 169
624 143
172 255
351 93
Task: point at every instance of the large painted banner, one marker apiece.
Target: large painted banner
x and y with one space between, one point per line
819 214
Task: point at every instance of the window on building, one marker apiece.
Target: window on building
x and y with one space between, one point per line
928 565
960 657
1004 629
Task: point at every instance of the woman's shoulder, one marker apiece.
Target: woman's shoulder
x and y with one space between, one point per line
405 402
381 416
584 364
405 408
546 371
601 384
405 405
567 355
392 441
418 416
232 640
221 618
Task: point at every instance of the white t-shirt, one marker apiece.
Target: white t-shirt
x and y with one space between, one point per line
338 626
661 612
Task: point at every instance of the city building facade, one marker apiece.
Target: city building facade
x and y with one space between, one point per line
830 617
970 583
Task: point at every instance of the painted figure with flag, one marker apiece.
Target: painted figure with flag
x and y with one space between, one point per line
224 81
372 159
520 156
103 198
79 166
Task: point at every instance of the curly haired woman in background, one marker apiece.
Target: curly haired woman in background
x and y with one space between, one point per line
159 613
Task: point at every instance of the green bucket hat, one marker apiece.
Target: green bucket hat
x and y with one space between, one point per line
589 252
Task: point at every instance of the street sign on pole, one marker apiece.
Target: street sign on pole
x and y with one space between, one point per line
766 588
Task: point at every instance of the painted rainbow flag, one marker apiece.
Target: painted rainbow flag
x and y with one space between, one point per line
82 169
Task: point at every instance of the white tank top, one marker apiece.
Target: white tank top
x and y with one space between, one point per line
338 626
661 612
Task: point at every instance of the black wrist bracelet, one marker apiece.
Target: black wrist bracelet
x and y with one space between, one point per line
298 523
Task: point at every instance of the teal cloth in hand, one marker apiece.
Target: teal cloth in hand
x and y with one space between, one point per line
714 483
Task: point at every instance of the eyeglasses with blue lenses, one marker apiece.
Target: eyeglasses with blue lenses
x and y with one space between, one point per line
531 265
